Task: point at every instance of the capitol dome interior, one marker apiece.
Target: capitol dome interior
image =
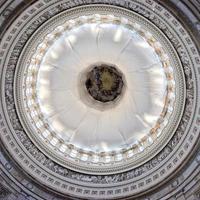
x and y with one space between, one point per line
100 99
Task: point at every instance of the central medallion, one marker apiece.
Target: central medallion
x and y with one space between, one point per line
104 83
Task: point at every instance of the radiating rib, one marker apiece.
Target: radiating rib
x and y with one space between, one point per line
74 51
145 68
123 49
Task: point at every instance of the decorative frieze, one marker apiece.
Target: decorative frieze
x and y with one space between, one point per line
159 167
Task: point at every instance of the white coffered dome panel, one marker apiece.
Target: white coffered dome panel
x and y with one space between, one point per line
83 122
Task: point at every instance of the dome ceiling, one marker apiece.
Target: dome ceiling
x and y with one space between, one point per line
99 99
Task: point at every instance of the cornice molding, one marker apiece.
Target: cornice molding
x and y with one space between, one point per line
183 183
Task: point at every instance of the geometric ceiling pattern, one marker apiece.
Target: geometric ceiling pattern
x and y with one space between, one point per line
99 99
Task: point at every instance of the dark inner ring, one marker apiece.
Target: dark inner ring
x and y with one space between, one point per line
104 83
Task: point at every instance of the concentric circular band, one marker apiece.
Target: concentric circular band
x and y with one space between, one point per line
138 175
132 156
